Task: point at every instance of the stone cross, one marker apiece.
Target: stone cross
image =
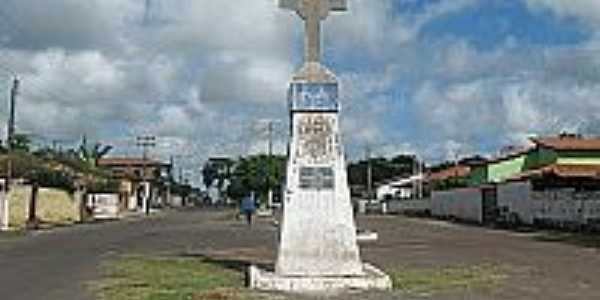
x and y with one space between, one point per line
313 12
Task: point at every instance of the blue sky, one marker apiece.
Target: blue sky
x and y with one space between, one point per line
440 78
489 24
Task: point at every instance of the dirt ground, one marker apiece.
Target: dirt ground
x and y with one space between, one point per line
62 261
534 269
531 269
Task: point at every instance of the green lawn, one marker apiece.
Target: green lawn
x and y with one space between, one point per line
169 278
428 281
159 278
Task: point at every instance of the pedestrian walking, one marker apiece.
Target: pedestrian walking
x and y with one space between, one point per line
249 207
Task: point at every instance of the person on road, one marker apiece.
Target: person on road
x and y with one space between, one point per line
248 207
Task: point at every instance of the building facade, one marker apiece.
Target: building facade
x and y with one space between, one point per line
139 178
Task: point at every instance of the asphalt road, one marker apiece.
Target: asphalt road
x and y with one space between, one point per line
56 265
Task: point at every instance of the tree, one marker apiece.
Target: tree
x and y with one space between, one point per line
20 142
93 154
382 169
257 173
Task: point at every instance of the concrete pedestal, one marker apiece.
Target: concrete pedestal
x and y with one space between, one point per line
373 279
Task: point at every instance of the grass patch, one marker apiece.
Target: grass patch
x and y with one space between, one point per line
156 278
578 239
448 279
8 236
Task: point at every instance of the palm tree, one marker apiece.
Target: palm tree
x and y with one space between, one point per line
93 154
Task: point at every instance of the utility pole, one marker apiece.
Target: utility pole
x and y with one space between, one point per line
421 178
369 171
270 128
170 181
14 92
146 141
270 161
417 177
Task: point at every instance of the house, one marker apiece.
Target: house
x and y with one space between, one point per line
399 188
457 171
566 150
133 174
564 154
447 178
564 195
499 169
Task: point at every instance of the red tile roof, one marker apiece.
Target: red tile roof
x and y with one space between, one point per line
452 172
563 171
568 143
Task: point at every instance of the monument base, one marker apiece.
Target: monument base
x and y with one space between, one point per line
374 279
367 236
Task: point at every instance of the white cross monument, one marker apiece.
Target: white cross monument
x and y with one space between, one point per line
317 247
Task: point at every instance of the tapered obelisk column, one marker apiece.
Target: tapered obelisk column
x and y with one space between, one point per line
318 235
317 245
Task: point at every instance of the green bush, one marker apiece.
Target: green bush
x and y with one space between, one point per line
53 179
58 172
109 186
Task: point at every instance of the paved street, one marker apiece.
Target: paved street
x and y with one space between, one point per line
56 265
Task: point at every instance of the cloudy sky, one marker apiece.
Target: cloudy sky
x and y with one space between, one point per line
440 78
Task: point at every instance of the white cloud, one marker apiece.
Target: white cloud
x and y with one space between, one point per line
374 25
586 10
200 72
71 24
479 107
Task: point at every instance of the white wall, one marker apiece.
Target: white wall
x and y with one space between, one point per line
3 212
462 204
409 206
555 205
566 205
516 197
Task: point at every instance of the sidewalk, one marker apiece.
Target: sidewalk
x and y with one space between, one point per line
137 214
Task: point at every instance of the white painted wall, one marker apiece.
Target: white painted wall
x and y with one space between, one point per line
556 205
515 198
462 204
4 213
409 206
566 205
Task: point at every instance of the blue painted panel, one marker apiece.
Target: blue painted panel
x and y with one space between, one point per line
313 97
